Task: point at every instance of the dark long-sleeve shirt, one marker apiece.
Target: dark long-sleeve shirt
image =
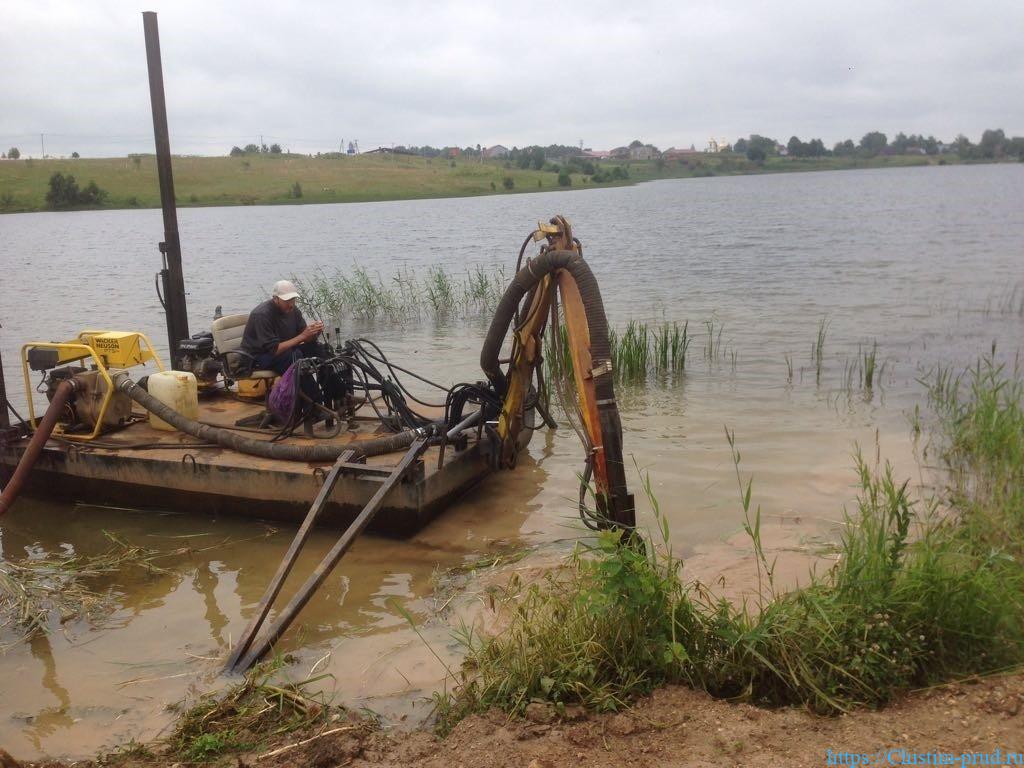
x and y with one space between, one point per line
268 326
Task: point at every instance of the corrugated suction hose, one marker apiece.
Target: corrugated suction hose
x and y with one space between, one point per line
265 448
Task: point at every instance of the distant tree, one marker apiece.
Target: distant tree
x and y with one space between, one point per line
931 146
508 182
275 149
874 142
764 143
564 179
296 190
963 146
740 146
236 152
75 155
63 191
844 148
13 153
816 148
795 147
635 143
537 158
251 149
756 154
991 144
901 143
1016 147
91 195
136 161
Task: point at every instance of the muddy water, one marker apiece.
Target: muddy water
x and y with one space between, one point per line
925 261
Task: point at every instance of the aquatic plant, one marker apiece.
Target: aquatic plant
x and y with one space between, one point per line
361 295
915 597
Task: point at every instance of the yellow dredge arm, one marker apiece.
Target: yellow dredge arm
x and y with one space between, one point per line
593 377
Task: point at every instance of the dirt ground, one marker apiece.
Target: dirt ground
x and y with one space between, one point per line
679 727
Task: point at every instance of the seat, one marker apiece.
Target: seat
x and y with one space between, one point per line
238 365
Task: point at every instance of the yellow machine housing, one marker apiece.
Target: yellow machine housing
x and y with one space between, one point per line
98 404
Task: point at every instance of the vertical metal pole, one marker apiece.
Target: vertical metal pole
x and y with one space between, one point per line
177 313
5 417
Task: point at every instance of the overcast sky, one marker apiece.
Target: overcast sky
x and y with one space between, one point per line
308 75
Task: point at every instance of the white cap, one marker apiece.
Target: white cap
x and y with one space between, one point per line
285 290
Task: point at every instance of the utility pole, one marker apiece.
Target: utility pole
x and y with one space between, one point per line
42 141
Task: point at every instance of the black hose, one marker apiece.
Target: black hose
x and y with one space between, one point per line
527 278
265 448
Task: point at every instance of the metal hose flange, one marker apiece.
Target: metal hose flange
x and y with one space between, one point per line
35 446
265 448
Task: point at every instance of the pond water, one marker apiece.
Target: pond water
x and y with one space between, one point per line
927 262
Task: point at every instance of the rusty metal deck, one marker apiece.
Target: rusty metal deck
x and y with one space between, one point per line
174 475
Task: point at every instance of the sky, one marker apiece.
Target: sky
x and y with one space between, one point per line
311 75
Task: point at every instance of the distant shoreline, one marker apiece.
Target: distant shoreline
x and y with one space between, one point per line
131 182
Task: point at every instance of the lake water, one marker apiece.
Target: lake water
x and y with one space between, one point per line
927 262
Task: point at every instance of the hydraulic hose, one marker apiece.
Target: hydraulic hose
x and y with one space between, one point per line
265 448
35 446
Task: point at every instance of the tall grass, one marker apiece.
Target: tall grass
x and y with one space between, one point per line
638 353
915 597
361 295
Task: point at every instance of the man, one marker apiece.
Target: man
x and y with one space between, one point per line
276 334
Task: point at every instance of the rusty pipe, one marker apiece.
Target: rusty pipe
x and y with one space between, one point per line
35 446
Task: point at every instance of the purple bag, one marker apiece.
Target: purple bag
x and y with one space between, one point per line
281 402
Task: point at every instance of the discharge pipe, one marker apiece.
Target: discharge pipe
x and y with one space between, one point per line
265 448
35 447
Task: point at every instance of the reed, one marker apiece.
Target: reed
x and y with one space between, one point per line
914 598
360 295
818 348
713 343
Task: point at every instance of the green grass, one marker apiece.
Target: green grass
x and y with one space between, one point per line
916 597
332 295
131 182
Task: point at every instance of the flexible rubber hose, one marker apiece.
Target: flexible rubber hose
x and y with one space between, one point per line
524 280
35 446
265 448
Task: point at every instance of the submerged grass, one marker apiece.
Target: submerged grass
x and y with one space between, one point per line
916 596
38 592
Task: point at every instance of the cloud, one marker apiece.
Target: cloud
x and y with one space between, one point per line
312 74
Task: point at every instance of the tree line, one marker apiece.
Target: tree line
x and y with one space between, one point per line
994 145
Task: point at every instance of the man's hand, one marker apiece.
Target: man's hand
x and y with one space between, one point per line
311 331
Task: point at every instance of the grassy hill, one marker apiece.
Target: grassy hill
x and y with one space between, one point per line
262 179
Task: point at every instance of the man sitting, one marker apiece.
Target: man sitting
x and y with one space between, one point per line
276 334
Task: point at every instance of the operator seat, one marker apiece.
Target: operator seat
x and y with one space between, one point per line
238 365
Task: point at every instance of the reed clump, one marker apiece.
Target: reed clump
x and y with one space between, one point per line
363 295
639 352
916 597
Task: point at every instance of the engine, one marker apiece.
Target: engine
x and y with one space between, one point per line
195 355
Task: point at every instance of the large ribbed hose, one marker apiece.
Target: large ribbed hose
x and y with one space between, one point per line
35 446
524 280
264 448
